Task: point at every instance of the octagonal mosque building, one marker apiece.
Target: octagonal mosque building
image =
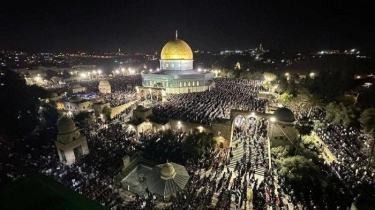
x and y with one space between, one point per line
177 74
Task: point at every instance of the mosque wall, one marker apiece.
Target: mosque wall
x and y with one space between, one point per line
118 109
189 127
187 89
176 64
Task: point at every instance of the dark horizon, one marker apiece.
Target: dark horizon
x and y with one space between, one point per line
142 26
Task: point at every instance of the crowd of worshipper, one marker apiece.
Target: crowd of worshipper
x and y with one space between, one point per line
122 89
235 170
351 163
204 107
91 175
223 177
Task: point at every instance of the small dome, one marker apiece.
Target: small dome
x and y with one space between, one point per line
53 95
75 99
66 125
176 50
103 82
76 86
284 114
140 107
167 171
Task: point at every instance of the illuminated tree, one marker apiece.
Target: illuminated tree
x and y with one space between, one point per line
298 170
84 119
304 126
310 102
107 112
341 114
367 121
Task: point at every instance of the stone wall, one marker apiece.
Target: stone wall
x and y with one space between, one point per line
118 109
188 127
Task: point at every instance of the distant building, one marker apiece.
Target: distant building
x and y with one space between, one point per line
104 86
76 104
77 88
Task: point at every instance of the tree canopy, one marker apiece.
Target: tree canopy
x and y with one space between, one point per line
341 114
298 169
84 119
20 104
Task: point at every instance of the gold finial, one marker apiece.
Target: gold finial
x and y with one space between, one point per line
176 35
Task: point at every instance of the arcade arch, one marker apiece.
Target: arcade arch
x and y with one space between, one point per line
150 93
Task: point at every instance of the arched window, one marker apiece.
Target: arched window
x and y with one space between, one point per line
189 83
193 83
184 84
180 84
197 83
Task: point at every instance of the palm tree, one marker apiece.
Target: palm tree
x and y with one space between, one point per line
304 126
310 101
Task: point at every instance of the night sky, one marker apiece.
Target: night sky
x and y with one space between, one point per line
145 26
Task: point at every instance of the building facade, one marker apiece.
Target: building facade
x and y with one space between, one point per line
70 143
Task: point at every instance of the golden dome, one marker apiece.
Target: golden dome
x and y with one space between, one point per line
176 49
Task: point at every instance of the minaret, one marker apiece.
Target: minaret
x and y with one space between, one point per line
176 35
